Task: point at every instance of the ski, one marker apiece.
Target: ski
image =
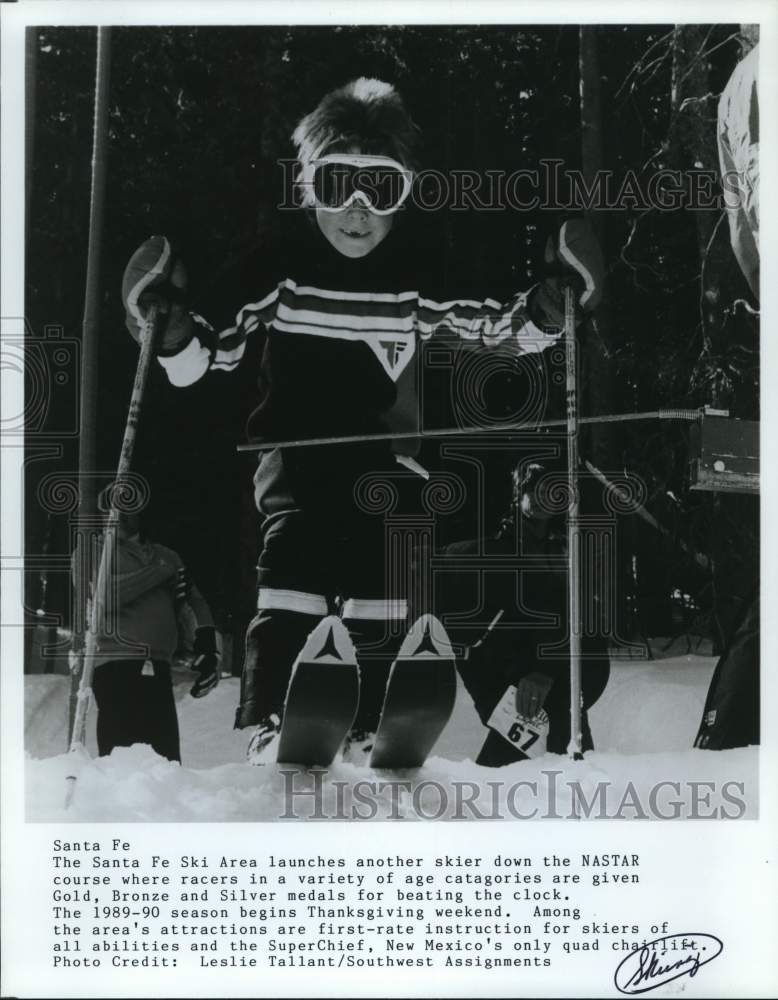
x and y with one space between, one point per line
322 697
419 699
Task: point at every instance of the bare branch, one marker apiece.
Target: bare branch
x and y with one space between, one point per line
634 268
705 338
742 304
704 55
695 100
637 67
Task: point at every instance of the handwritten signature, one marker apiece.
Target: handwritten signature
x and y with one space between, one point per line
667 958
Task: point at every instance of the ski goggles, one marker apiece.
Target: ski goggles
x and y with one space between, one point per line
335 182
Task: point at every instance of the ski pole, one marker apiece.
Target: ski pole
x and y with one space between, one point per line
573 534
640 511
523 427
107 556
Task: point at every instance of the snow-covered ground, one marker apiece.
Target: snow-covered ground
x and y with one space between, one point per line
643 727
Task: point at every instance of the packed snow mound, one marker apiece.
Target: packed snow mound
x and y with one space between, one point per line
652 705
46 715
134 784
644 726
648 706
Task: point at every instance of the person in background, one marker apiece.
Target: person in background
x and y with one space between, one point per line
140 623
730 716
517 671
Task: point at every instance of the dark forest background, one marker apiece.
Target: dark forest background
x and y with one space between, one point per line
199 118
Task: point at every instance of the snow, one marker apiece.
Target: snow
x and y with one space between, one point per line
652 705
643 726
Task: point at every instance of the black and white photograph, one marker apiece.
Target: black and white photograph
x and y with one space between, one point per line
381 437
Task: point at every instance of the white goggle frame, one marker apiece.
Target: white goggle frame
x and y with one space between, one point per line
354 160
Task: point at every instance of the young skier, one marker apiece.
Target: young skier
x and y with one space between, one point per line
339 333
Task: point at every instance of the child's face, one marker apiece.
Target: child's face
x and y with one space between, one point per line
355 231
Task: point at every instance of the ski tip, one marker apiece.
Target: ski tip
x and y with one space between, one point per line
426 639
329 642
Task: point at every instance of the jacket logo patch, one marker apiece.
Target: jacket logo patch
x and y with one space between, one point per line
394 349
394 353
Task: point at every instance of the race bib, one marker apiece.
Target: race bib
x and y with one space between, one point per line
528 735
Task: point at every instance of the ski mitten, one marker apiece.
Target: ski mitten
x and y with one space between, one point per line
155 275
573 259
206 661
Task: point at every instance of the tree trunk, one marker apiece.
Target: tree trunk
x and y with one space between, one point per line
598 395
597 375
692 146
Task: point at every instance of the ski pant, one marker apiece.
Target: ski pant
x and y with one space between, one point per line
492 667
132 708
731 714
518 645
321 542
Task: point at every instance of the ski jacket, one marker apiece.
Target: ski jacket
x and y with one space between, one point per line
738 142
148 590
341 341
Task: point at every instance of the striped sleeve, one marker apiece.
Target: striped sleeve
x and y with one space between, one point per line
182 584
211 351
488 322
